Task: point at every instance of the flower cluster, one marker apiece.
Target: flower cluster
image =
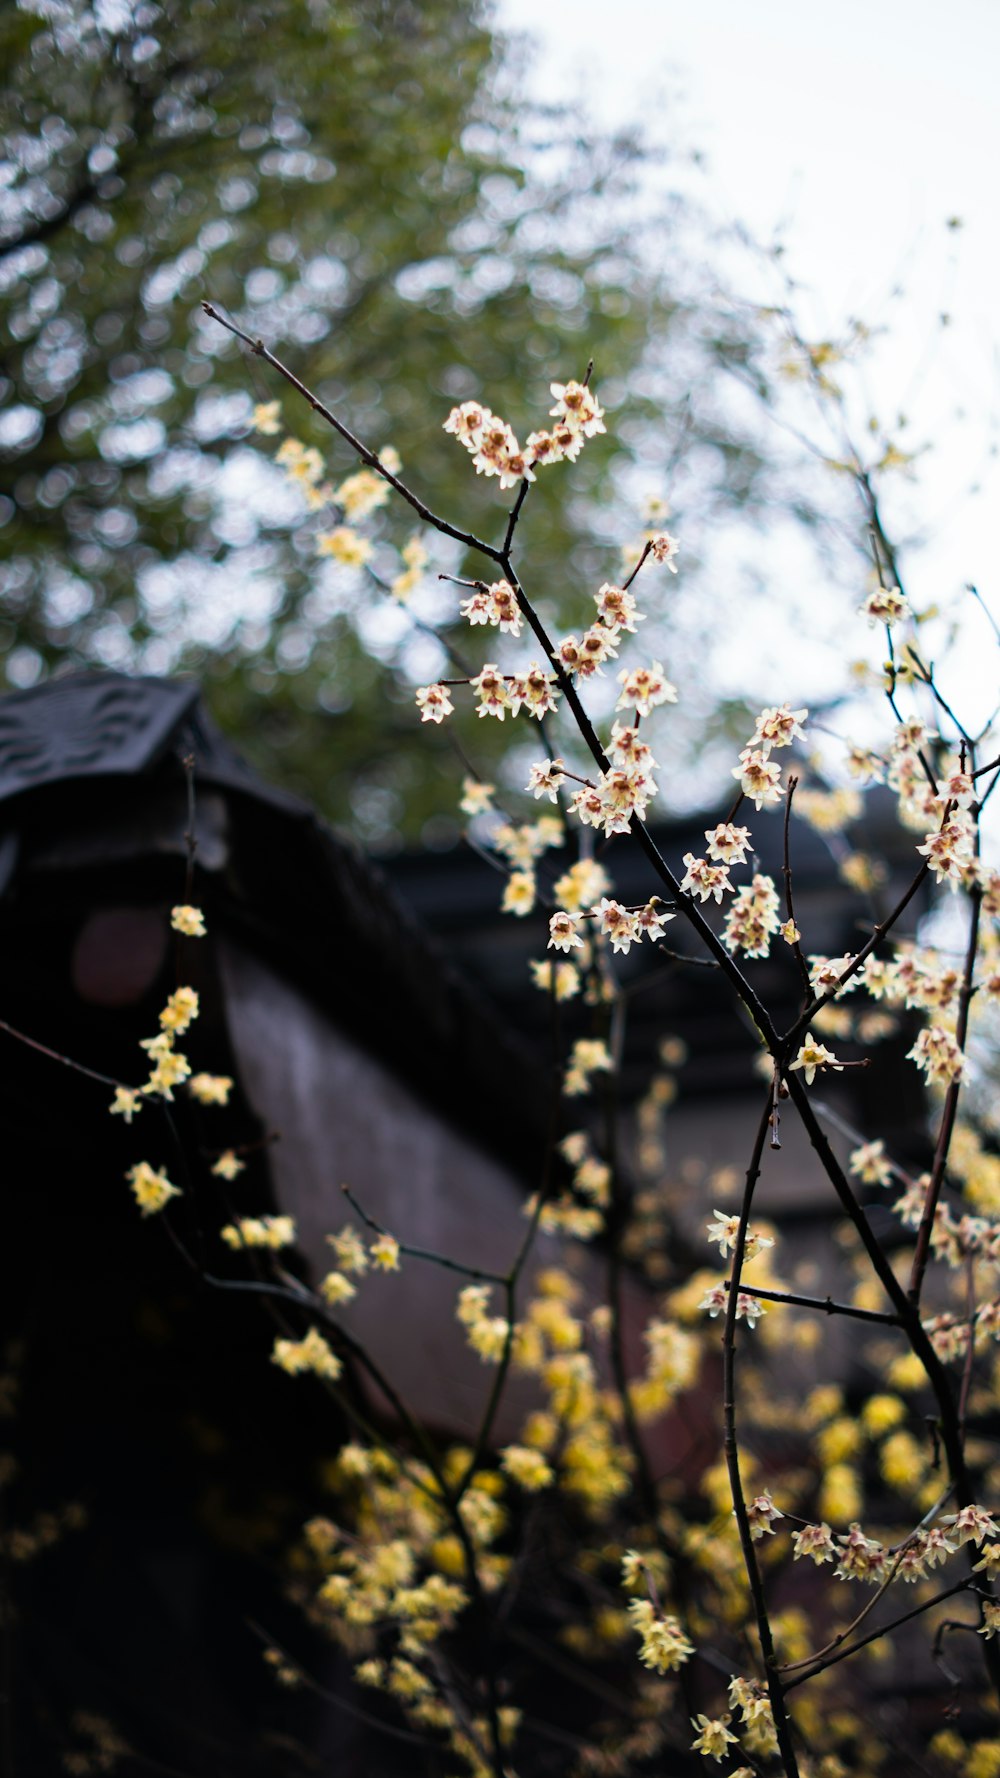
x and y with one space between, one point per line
152 1189
313 1353
274 1232
494 449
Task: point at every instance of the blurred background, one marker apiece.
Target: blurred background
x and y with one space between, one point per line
772 241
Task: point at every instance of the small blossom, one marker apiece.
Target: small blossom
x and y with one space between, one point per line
759 777
871 1164
228 1166
815 1541
526 1467
727 844
210 1089
577 407
468 423
725 1230
151 1189
477 799
950 851
345 546
653 918
971 1524
504 610
384 1251
349 1249
938 1054
126 1102
491 689
886 606
519 893
617 608
748 1308
581 885
180 1010
311 1354
861 1558
664 1644
335 1289
267 418
542 448
274 1232
813 1055
563 934
190 921
703 879
170 1067
434 703
597 645
488 1336
361 493
778 727
617 923
989 1561
545 779
588 1056
663 548
643 688
752 918
562 979
713 1736
536 690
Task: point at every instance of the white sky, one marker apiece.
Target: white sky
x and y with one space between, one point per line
857 130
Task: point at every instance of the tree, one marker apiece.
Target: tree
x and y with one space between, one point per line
328 172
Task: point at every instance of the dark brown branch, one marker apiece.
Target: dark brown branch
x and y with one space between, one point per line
825 1304
782 1726
371 458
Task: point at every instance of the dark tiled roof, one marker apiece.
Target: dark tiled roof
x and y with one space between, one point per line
92 786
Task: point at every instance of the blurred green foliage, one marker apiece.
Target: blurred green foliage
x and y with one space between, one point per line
359 183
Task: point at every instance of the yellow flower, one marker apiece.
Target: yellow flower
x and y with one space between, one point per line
210 1089
335 1288
152 1190
404 585
345 546
190 921
982 1760
713 1736
488 1337
813 1055
126 1102
881 1413
519 893
311 1354
385 1253
260 1231
267 418
350 1250
664 1644
906 1372
170 1067
840 1493
838 1441
228 1165
526 1467
180 1010
361 494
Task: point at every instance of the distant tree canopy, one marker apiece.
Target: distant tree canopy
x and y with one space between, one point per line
360 184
